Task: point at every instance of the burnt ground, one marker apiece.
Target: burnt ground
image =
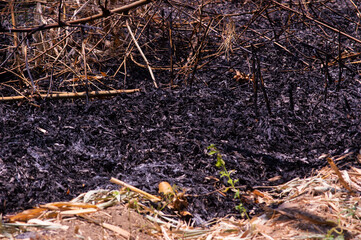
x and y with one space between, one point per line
56 149
157 135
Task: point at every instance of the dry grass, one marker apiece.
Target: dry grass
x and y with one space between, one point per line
52 48
83 45
317 207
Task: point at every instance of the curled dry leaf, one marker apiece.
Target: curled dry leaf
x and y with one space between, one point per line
262 197
175 200
165 189
185 214
27 215
180 202
241 76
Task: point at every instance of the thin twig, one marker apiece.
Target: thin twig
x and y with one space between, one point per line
83 43
74 23
199 52
72 94
317 21
27 67
254 81
134 189
339 62
141 52
36 57
259 72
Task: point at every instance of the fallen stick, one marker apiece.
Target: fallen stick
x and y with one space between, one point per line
141 52
339 175
318 22
122 9
71 95
78 211
134 189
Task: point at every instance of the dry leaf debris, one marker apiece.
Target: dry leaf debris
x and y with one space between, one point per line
315 207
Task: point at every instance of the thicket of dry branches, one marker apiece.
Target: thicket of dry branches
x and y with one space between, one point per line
54 46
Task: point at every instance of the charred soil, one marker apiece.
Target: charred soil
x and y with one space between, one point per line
53 150
64 148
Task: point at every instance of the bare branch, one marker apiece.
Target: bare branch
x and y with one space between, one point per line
75 23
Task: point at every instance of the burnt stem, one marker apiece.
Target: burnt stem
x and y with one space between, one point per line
263 87
340 69
255 81
326 77
290 94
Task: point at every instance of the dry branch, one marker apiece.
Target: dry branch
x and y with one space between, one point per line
134 189
317 21
196 34
339 175
72 95
75 23
141 52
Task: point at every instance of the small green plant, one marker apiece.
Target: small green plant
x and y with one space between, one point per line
331 234
212 150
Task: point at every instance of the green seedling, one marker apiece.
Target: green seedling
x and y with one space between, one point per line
212 150
334 234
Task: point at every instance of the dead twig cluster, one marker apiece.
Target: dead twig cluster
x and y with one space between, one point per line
93 45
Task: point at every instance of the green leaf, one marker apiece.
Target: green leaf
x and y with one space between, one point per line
223 174
211 146
240 208
236 194
219 163
230 181
212 152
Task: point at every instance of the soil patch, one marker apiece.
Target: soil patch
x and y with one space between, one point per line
62 148
271 88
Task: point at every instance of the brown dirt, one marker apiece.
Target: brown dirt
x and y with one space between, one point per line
79 228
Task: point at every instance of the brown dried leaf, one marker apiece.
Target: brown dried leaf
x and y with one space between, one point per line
27 215
180 202
166 189
185 214
67 205
273 179
338 173
262 197
241 76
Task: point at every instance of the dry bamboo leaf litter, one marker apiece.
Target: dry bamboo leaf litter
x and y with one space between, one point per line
304 210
